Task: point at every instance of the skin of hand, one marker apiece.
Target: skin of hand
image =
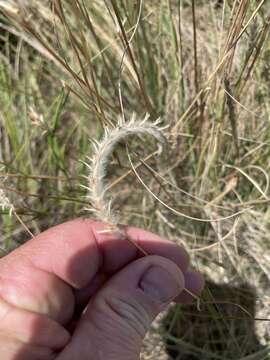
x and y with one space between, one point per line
77 292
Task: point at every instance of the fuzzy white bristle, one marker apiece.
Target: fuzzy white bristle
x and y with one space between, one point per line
5 203
102 153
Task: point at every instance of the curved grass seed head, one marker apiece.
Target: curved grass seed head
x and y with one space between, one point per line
101 204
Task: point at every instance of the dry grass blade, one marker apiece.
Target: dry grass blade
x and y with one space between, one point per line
203 67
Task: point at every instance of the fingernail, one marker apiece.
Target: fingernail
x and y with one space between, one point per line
194 282
161 285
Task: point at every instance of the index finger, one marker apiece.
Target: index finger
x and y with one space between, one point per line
77 250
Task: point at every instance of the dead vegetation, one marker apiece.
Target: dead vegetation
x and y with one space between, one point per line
203 67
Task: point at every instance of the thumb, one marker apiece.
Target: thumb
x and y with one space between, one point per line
118 317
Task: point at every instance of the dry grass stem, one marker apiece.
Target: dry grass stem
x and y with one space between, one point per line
201 66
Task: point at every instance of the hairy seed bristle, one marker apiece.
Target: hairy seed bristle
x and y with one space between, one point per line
101 158
5 203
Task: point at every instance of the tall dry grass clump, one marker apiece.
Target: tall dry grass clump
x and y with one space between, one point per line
203 68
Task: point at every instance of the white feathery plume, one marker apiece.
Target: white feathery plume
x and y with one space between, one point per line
101 158
5 203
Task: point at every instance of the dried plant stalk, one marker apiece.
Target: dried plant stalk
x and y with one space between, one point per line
5 204
100 160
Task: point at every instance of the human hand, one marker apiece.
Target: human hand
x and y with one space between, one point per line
74 292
